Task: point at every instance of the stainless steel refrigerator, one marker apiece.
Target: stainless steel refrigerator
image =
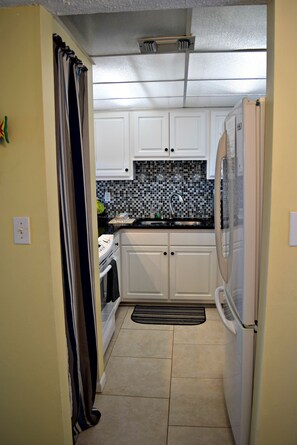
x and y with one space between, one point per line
238 203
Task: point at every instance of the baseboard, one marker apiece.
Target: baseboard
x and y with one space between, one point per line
101 383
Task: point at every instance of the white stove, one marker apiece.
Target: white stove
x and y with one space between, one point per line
108 310
105 251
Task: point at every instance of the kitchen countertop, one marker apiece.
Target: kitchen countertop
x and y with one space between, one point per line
105 227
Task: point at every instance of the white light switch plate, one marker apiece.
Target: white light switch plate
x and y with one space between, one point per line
21 230
293 229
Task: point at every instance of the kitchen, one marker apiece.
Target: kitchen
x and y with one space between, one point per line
159 163
143 135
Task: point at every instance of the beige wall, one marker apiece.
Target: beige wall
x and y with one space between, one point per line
275 404
34 401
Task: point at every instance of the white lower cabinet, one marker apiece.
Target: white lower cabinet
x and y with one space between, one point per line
192 273
171 265
145 272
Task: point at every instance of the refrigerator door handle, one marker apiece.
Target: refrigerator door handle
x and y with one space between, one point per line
221 154
227 323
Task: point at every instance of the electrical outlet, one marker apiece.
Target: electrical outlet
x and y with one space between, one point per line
21 230
107 196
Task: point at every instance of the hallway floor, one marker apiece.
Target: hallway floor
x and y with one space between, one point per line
164 386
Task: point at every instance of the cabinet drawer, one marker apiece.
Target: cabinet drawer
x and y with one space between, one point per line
144 238
192 239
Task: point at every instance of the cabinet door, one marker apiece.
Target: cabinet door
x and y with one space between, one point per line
192 273
150 134
217 119
111 131
144 273
188 134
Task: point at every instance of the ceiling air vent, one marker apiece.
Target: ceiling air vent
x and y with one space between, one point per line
171 44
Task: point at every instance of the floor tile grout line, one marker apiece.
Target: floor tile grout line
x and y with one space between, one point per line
202 426
199 378
142 358
147 330
134 356
201 344
131 396
170 383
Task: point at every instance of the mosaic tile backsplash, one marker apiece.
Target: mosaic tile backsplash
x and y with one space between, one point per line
154 183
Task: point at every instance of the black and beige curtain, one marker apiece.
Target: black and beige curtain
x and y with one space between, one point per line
71 102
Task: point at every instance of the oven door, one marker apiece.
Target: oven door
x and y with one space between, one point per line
108 310
103 285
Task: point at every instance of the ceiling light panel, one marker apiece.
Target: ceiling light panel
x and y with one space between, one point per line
227 65
229 27
214 101
134 90
139 68
139 103
226 87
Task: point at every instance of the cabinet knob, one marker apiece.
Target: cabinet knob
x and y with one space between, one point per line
166 149
126 169
165 253
172 253
172 149
116 244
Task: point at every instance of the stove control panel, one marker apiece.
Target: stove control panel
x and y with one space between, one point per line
105 245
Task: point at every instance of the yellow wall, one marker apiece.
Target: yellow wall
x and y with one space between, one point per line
275 403
34 402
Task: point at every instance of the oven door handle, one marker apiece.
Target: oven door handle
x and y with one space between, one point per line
102 275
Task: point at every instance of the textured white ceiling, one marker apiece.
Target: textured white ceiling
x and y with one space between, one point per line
117 33
228 62
69 7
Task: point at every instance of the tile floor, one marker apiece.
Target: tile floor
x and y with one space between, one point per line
164 386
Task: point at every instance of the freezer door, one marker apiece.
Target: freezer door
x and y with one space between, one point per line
238 370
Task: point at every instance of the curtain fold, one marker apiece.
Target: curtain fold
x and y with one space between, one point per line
71 102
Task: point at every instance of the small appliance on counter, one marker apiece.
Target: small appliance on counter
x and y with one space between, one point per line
122 218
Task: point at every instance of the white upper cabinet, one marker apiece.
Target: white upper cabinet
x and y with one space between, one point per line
217 119
184 134
188 134
112 145
161 134
150 134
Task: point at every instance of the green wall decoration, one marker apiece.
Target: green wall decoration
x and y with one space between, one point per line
4 130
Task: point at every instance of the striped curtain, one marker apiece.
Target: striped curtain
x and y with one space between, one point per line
71 102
